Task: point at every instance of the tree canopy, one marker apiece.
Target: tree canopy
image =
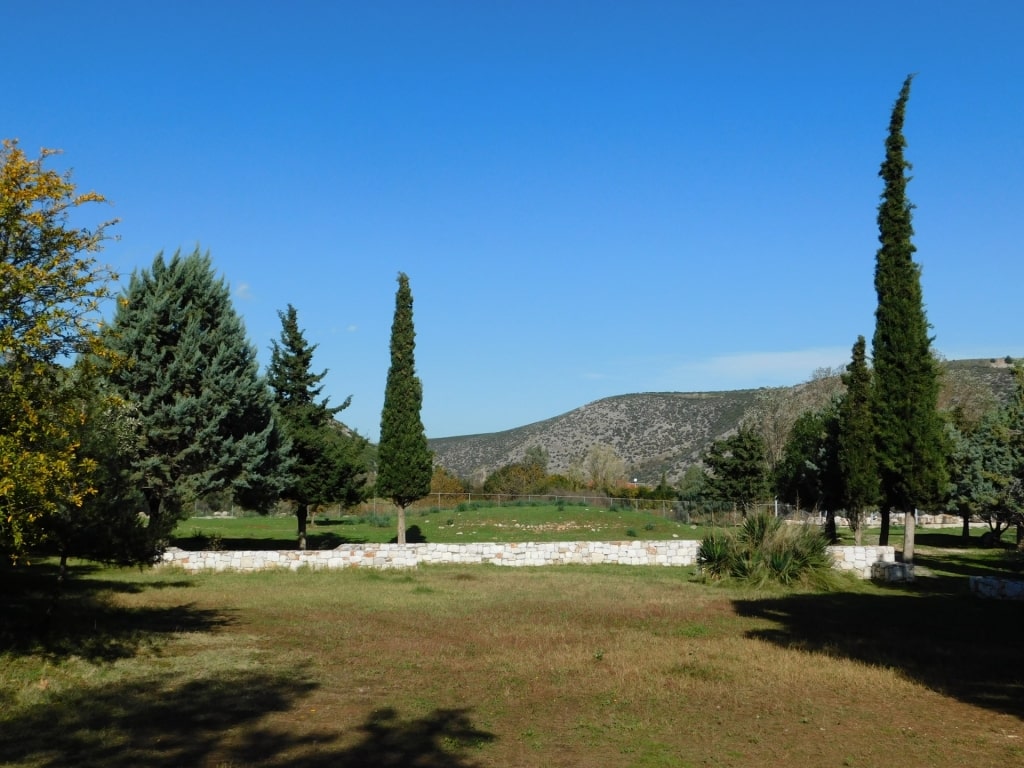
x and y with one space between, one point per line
909 432
406 463
858 462
737 470
326 461
51 289
193 380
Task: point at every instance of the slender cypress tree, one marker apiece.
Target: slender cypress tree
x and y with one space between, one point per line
406 464
909 434
205 414
858 460
327 463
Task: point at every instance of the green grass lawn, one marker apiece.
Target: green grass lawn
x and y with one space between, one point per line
469 522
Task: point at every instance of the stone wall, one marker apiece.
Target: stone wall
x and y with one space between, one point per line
997 589
673 552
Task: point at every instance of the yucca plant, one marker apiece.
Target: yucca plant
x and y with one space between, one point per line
758 528
767 550
716 554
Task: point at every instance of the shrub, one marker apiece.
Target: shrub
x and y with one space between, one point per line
716 554
767 550
376 519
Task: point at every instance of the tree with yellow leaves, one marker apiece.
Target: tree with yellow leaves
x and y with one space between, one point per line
51 288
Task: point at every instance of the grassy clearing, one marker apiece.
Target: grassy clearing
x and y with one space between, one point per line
469 522
482 666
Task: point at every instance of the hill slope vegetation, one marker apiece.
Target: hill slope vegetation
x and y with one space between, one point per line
662 432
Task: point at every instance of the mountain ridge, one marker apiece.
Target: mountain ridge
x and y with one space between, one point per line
658 433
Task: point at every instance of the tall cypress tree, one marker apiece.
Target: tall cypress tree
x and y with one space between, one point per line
327 462
858 460
205 414
910 439
405 462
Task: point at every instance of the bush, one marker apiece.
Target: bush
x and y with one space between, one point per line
375 519
767 550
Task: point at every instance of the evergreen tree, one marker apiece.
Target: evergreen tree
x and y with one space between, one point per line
909 431
858 461
806 475
737 470
204 411
327 463
406 464
987 472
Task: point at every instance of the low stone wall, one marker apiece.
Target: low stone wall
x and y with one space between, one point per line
673 552
996 588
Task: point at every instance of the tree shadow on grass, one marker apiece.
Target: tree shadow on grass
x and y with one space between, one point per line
81 618
219 719
314 540
956 644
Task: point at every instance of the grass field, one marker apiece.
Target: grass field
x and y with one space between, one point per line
483 666
468 522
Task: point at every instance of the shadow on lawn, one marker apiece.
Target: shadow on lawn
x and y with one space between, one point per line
954 643
314 540
217 720
80 617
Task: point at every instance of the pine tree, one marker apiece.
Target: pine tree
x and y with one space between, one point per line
738 469
406 464
858 461
327 464
204 411
909 432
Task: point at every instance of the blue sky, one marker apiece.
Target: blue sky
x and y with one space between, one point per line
590 198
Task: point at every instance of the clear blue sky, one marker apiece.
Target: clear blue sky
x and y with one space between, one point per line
590 198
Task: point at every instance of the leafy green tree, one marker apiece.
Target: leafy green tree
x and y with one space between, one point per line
51 289
107 527
910 434
693 484
737 470
806 476
857 457
405 462
443 482
604 467
192 379
517 479
327 461
987 468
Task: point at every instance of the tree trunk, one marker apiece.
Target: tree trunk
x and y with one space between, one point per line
400 538
965 532
153 505
883 536
300 514
830 527
909 523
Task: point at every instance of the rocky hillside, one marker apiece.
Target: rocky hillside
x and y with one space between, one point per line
652 432
660 431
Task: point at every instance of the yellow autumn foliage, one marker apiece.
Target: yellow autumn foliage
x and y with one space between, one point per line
51 288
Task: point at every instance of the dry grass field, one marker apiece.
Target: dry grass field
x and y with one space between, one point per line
483 666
